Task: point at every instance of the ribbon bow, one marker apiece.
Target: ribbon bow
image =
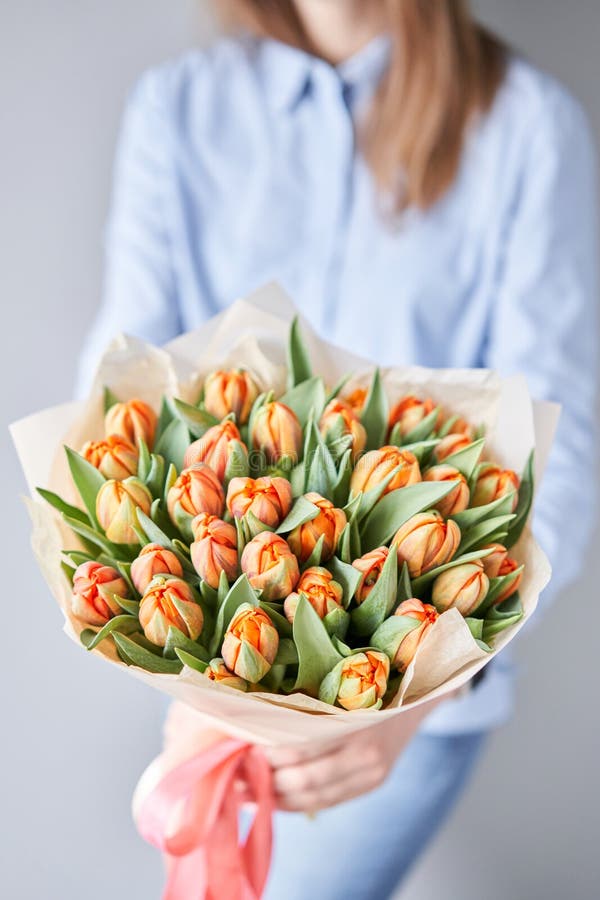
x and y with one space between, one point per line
192 816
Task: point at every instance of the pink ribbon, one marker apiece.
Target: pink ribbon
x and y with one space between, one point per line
192 816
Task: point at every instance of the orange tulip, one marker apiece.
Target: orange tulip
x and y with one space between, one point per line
370 565
358 681
116 505
277 432
214 448
214 549
339 410
322 592
464 587
426 541
269 499
458 499
115 457
218 671
372 468
450 444
153 560
356 399
329 522
460 426
493 562
507 567
197 490
270 565
232 391
251 643
410 412
133 420
426 615
93 587
167 602
494 482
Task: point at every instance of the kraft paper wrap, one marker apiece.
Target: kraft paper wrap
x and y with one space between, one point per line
253 333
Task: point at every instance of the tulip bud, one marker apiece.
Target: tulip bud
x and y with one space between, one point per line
115 457
400 635
356 399
329 522
492 563
338 411
153 560
232 391
133 420
251 643
214 549
458 498
270 565
370 565
169 601
277 432
214 448
450 444
459 426
218 671
493 483
323 593
372 468
425 542
116 505
463 587
93 588
410 412
507 567
269 499
358 681
197 490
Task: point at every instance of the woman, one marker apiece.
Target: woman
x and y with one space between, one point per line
425 196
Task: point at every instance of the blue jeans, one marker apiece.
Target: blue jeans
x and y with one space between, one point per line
362 849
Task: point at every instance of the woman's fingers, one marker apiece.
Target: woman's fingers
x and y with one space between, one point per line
294 756
317 773
353 785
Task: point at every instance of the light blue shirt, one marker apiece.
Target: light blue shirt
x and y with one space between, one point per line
238 165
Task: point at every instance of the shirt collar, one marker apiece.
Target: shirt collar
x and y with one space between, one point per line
286 71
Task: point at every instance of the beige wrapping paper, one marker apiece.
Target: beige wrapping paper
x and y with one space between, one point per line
253 333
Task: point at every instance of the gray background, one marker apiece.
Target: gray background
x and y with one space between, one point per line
77 733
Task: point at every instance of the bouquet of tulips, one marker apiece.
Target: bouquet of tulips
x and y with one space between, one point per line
234 521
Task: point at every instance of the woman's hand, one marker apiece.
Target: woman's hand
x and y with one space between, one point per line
308 779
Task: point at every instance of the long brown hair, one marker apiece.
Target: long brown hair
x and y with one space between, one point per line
444 69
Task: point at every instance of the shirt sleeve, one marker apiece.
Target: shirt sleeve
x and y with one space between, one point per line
544 320
139 295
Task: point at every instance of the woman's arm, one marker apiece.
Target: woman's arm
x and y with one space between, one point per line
544 321
140 294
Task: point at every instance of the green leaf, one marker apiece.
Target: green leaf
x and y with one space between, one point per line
476 514
122 624
484 532
109 399
144 460
419 584
338 388
526 489
375 413
173 443
316 654
237 463
113 550
395 508
301 512
341 486
274 611
299 367
337 623
78 558
68 570
241 592
405 590
346 575
306 397
65 508
177 640
391 632
191 661
316 555
132 607
156 476
135 655
374 494
421 450
169 482
424 429
287 655
155 535
475 627
349 544
497 587
466 460
367 617
501 617
88 481
165 417
321 473
197 421
447 427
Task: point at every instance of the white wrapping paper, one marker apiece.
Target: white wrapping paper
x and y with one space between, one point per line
253 333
